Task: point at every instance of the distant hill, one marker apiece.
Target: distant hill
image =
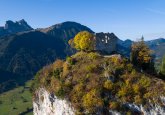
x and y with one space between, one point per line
124 47
14 27
158 46
24 53
65 31
27 52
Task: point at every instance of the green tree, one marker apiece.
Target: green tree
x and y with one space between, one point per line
83 41
141 55
162 69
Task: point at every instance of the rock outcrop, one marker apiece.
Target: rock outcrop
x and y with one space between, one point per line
48 104
153 109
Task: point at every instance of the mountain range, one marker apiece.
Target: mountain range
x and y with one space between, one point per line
24 53
24 50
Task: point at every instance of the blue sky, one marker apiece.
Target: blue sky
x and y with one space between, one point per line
128 19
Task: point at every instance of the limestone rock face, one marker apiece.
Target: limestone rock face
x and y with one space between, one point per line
106 42
48 104
153 109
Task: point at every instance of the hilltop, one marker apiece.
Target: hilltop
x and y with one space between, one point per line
90 82
94 84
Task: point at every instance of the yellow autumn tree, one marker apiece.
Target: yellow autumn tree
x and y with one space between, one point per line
108 85
83 41
91 101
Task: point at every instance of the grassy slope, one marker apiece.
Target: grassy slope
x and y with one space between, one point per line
16 101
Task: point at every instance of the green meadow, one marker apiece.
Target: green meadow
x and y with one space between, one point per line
17 101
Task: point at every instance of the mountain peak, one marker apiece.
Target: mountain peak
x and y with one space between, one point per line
14 27
69 24
8 24
22 20
66 29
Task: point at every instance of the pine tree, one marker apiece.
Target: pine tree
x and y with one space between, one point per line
141 55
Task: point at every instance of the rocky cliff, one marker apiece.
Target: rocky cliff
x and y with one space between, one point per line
46 103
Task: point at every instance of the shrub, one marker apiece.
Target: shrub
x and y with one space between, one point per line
71 43
148 95
122 92
68 83
66 68
91 68
116 60
138 100
126 93
108 85
55 84
133 72
60 93
92 100
129 67
114 105
93 55
57 72
136 88
57 64
79 90
144 81
70 60
129 113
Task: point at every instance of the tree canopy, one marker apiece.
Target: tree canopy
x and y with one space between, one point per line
141 55
83 41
